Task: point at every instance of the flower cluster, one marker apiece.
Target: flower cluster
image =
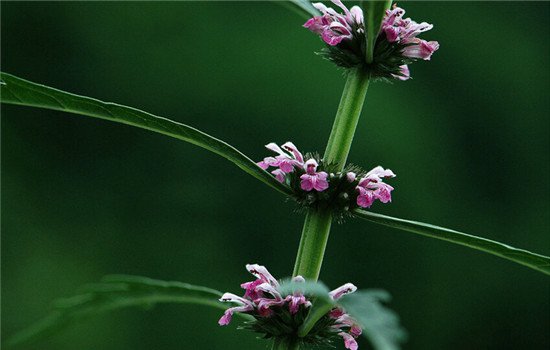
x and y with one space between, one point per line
280 316
286 162
403 32
334 27
314 185
372 187
395 47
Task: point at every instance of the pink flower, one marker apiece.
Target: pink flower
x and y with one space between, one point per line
245 306
263 299
262 295
336 313
404 31
343 320
272 299
378 173
354 330
372 187
342 290
285 161
405 73
251 289
263 291
365 197
313 179
290 160
395 45
280 175
297 298
423 49
334 27
261 273
349 341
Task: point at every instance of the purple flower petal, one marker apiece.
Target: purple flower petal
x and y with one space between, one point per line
261 272
349 341
392 33
245 306
334 27
279 175
365 197
226 318
272 146
342 290
381 172
405 73
313 180
289 146
306 184
311 166
423 49
251 291
383 192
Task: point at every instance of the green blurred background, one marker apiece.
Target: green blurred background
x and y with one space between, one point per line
81 198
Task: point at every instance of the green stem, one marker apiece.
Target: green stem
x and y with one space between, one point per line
347 116
317 223
312 244
316 313
374 13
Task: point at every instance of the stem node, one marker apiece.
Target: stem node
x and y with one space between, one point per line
317 223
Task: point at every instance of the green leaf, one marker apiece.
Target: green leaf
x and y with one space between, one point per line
374 11
303 8
380 325
22 92
316 289
535 261
112 293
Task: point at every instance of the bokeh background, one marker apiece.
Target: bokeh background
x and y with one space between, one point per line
81 198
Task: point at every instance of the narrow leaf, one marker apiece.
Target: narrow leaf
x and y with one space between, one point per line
374 11
22 92
535 261
112 293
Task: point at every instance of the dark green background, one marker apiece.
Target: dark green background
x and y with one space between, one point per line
81 198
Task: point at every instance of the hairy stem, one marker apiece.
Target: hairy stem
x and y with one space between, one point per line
317 223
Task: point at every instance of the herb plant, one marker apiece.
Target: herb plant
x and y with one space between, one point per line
373 42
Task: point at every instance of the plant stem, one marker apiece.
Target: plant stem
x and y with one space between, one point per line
347 116
316 313
317 223
312 244
374 13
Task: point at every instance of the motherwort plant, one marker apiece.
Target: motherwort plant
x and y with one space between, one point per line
374 42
